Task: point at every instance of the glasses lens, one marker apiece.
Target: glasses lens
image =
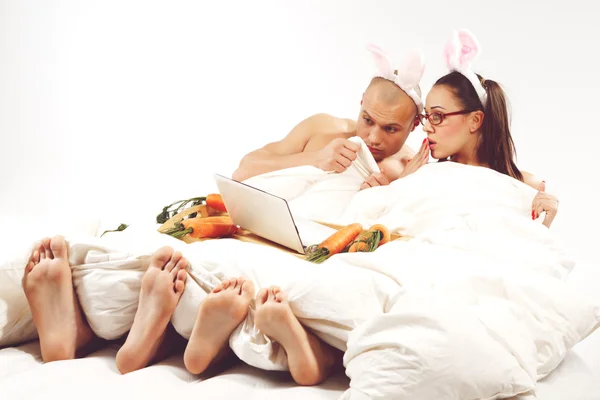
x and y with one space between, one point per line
435 118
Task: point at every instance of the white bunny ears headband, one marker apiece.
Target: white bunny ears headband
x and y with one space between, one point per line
406 74
460 51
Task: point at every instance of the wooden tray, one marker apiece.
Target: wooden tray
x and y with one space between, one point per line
243 235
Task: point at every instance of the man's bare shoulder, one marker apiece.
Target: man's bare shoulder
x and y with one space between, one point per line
328 124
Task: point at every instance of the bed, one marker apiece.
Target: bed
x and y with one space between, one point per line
24 376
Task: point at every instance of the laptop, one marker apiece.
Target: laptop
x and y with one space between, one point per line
269 216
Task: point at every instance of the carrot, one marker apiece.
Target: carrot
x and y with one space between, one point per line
369 240
215 201
209 230
384 233
217 219
335 243
359 246
209 227
362 246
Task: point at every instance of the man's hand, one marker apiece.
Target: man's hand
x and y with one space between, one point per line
544 202
420 159
375 179
337 155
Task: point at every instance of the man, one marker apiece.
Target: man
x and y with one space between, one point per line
389 111
387 116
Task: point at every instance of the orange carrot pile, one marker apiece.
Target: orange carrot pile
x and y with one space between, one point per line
208 227
369 240
335 243
214 201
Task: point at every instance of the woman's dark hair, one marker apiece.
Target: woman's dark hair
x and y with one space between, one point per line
496 146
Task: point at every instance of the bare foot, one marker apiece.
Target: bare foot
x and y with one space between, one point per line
162 286
220 313
48 286
310 360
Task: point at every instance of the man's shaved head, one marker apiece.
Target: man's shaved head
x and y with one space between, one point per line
389 93
386 118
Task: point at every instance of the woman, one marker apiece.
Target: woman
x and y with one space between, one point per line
466 121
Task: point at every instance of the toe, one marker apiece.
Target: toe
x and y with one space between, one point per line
45 249
173 273
278 294
42 252
261 298
272 293
248 288
233 284
182 264
161 257
280 297
173 261
180 281
58 246
35 256
182 275
218 288
179 286
225 284
239 284
29 267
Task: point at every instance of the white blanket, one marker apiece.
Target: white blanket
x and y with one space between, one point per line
476 306
318 195
481 281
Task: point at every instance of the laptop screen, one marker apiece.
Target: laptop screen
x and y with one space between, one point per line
259 212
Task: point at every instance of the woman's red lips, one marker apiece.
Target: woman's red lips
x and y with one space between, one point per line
372 150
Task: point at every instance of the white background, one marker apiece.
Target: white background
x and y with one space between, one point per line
116 108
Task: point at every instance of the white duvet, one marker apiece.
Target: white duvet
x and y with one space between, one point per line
475 307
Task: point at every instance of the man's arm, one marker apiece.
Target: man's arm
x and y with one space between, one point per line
289 152
286 153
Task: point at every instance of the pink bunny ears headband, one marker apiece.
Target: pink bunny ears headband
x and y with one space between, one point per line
460 51
406 74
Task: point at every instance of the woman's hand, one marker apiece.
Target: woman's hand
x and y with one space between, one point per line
420 159
544 202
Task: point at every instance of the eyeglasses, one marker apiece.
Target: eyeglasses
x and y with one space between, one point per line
437 118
